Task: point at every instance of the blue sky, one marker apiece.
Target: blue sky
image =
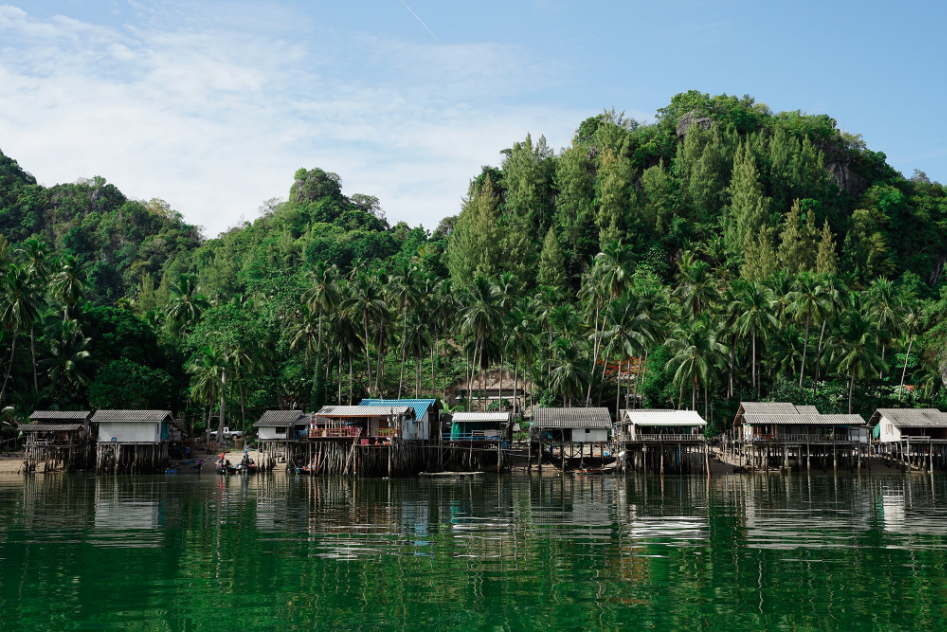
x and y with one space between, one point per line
213 105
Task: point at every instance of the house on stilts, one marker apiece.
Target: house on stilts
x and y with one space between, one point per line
477 441
277 432
664 440
132 440
559 432
58 439
914 438
773 434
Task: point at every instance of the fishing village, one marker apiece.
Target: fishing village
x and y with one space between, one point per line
412 437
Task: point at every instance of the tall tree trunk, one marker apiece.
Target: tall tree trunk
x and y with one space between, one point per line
9 367
851 386
694 394
805 347
754 361
904 371
483 378
368 354
404 351
733 354
516 381
500 384
33 354
223 405
881 371
379 364
243 410
595 349
818 356
351 379
618 390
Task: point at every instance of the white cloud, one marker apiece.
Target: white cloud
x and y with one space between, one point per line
216 118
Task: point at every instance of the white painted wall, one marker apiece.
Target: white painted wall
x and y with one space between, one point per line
889 432
271 434
589 435
125 432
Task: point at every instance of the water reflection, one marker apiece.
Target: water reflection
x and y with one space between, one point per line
756 551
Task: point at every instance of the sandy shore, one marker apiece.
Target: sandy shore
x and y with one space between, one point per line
11 463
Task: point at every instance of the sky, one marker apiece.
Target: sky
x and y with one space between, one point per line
213 105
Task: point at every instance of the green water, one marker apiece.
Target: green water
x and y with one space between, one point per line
510 553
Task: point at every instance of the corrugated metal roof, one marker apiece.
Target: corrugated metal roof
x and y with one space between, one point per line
49 427
420 406
804 420
363 410
808 410
572 418
664 418
132 416
911 417
60 414
282 418
482 417
768 408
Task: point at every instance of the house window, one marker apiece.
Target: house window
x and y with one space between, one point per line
889 429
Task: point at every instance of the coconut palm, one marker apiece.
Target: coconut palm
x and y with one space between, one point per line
20 305
569 372
187 303
480 319
806 299
208 370
365 302
68 351
858 356
405 296
628 329
885 305
68 284
755 304
915 321
322 295
697 289
696 355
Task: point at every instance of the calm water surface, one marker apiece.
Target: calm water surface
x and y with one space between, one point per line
510 553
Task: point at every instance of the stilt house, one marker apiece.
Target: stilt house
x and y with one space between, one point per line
281 426
371 424
575 425
787 423
132 440
58 437
495 426
426 418
664 425
892 425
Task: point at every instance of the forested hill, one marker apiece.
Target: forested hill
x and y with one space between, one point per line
774 248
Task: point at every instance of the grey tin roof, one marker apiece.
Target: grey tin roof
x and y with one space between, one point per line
572 418
132 416
911 417
281 419
49 427
56 415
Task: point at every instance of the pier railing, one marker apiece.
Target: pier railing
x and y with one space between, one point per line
670 438
333 433
385 433
476 435
808 438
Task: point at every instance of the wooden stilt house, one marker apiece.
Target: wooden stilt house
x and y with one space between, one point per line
664 425
58 438
425 419
132 440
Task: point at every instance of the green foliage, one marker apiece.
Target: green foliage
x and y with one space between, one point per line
126 384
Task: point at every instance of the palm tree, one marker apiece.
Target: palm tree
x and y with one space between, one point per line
858 357
569 374
522 342
755 305
364 301
806 299
68 284
186 304
885 303
628 329
19 311
915 320
404 292
837 298
697 290
322 295
246 361
208 370
594 295
696 354
480 320
68 350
